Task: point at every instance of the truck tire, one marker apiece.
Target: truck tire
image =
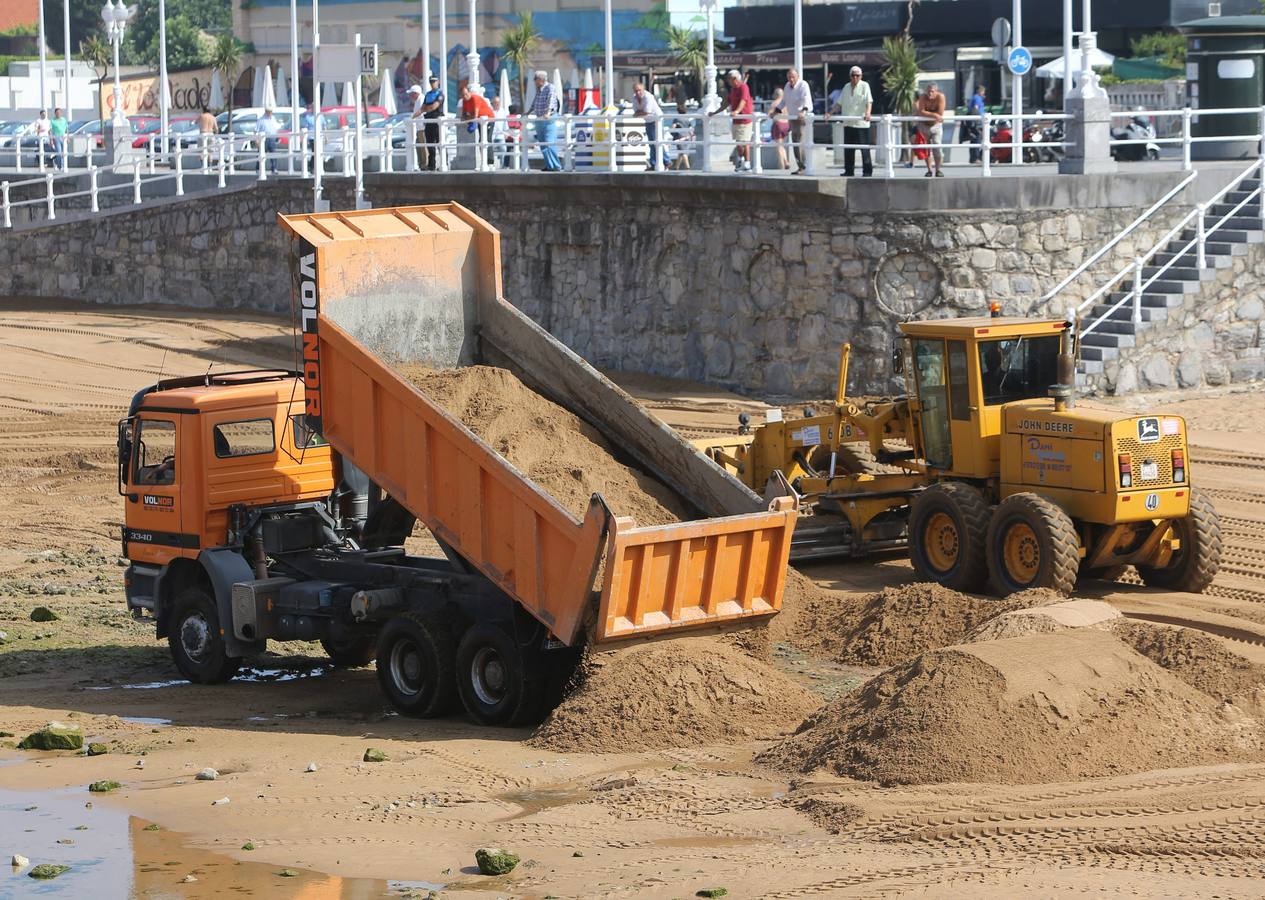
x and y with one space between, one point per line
195 638
416 666
494 680
947 525
1195 564
352 653
1032 543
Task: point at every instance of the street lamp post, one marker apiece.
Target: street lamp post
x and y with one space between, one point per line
710 99
116 19
472 58
163 86
609 68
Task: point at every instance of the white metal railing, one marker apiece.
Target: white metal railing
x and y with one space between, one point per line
1196 246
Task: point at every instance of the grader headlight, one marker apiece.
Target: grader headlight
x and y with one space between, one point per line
1126 470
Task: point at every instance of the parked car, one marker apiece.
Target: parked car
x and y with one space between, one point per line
11 132
86 130
143 128
246 120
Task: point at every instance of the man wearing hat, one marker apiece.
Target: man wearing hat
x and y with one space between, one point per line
855 103
428 107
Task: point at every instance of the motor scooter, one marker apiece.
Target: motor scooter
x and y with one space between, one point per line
1140 130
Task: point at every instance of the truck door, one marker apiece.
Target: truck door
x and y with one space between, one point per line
153 529
931 374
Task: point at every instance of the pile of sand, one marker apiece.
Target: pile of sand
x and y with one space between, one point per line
1075 704
1199 660
1047 619
676 693
560 452
900 622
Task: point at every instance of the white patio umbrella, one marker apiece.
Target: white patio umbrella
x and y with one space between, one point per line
1098 59
349 93
531 94
269 95
504 90
575 78
216 99
557 88
257 88
282 93
588 79
329 97
386 95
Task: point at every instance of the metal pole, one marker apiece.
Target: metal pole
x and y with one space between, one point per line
443 65
360 135
610 55
1067 50
1186 139
318 160
162 68
799 35
43 61
472 58
425 47
1016 98
710 99
1201 233
69 107
295 112
1137 290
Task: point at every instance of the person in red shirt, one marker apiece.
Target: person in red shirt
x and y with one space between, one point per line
474 107
739 102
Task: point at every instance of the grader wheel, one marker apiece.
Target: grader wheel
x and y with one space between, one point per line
947 525
1032 543
1195 562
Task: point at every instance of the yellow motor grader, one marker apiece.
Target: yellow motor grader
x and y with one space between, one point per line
988 469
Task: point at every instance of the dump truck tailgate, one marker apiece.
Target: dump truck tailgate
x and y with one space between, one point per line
380 288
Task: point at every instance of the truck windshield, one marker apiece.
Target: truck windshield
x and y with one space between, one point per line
1018 368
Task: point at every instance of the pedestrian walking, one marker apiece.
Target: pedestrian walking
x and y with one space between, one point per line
740 105
796 104
42 129
930 106
779 131
268 128
207 127
856 104
545 107
57 131
971 131
646 106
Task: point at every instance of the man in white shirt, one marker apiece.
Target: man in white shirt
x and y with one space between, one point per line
797 102
645 105
268 127
856 103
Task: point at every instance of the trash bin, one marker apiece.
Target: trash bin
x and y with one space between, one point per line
1225 69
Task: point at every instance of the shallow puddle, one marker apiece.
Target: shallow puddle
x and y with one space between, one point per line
252 674
112 854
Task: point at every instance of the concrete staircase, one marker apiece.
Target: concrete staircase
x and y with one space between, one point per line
1118 332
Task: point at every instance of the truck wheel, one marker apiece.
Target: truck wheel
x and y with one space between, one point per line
947 524
1195 563
352 653
415 666
196 639
1032 543
493 679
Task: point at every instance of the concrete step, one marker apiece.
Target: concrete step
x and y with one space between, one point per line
1169 300
1098 354
1088 367
1179 272
1125 313
1099 338
1187 259
1123 326
1228 236
1217 210
1242 221
1168 285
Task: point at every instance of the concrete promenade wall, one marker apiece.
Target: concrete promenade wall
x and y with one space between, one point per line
747 283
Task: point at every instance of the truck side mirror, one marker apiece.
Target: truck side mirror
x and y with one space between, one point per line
898 361
125 451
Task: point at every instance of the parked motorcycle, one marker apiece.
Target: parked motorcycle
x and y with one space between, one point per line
1034 140
1140 130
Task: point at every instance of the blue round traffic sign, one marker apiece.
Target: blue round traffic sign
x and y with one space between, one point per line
1019 61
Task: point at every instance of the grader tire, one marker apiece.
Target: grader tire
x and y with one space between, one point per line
1195 563
947 526
1032 543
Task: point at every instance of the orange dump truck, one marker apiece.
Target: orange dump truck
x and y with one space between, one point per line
274 505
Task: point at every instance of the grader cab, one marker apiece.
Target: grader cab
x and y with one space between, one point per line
989 471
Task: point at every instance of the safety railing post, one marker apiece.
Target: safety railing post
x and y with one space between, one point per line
757 163
568 143
612 143
17 153
232 154
1200 235
50 199
92 190
4 201
221 167
889 146
136 184
303 153
479 153
179 174
40 150
152 154
707 143
291 138
808 144
410 164
442 149
259 159
1137 290
1186 117
657 145
986 144
520 147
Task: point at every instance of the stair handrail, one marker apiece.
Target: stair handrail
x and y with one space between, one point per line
1139 283
1125 232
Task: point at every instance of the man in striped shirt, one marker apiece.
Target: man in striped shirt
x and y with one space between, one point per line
546 105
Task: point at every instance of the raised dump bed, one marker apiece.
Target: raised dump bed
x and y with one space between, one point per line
378 290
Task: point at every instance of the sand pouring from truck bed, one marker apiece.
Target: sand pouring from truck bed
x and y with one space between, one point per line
1050 707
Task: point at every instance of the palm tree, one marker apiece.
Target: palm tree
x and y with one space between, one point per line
226 58
909 16
517 44
689 49
900 77
94 51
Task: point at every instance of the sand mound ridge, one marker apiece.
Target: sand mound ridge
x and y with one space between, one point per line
1047 619
564 455
1073 704
674 693
1199 660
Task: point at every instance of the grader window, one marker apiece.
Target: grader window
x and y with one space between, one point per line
1018 368
959 396
929 370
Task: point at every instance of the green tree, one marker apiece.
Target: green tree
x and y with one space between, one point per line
689 49
85 19
900 76
96 53
187 47
517 43
226 58
1169 46
656 19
